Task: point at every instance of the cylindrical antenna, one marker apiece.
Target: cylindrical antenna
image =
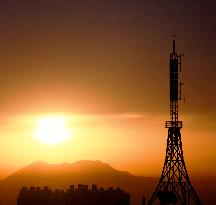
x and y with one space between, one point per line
174 43
174 46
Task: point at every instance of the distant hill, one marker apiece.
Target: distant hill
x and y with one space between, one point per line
91 172
81 172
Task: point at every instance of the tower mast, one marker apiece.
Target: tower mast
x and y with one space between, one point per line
174 186
175 87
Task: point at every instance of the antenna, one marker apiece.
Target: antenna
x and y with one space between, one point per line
174 43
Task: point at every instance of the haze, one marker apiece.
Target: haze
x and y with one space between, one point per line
104 66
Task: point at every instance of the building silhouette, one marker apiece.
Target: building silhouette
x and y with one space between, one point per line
80 195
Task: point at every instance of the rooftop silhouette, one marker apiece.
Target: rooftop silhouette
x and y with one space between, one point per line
80 195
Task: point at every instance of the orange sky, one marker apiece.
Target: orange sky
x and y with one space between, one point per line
104 65
134 142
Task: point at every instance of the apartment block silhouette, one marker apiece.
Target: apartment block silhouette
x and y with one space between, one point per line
80 195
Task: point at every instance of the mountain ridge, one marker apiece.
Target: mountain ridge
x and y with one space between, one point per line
62 175
89 172
82 166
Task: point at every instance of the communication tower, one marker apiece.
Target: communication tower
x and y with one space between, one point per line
174 186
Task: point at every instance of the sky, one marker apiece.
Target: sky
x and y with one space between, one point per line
103 65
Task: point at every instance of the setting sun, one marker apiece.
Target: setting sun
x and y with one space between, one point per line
52 130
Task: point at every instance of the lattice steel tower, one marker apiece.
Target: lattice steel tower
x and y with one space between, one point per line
174 186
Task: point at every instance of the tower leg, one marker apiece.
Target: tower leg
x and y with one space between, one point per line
174 186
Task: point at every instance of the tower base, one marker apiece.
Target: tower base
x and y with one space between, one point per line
174 186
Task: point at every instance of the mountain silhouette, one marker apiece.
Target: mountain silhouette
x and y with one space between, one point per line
91 172
80 172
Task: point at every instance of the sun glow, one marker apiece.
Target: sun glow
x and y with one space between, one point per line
52 130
